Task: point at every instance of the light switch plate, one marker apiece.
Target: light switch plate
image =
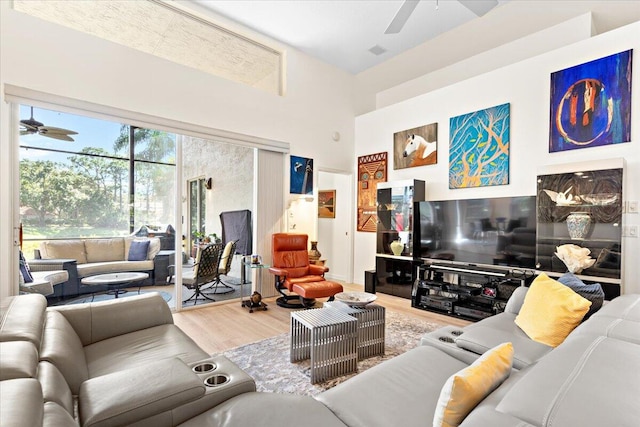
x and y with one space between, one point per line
632 207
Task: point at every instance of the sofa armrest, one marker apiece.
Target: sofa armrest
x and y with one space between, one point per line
68 288
21 402
38 264
480 339
106 319
132 395
514 304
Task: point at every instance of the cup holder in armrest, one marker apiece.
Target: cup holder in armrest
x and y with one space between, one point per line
216 380
446 339
202 368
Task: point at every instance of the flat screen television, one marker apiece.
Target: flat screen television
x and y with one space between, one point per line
495 231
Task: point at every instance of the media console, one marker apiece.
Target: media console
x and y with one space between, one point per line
466 291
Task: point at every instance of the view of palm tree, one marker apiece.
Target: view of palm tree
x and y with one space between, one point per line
110 180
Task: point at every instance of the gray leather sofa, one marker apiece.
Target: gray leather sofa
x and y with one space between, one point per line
590 380
119 362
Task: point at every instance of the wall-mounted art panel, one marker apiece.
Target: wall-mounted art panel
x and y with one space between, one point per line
591 104
372 169
326 203
415 147
301 175
479 148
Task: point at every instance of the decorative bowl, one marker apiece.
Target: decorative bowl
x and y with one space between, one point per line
355 299
600 199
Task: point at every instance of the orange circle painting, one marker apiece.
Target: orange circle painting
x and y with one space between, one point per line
591 104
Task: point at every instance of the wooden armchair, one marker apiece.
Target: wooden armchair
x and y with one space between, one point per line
293 273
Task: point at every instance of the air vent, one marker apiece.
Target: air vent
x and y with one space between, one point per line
377 50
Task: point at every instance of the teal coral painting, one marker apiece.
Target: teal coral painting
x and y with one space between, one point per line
591 104
479 148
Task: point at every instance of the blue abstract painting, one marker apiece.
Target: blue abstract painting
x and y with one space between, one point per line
301 175
591 104
479 148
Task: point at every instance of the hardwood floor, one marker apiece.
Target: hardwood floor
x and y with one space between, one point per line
224 326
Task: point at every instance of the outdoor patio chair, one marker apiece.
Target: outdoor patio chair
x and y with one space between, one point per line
219 286
205 270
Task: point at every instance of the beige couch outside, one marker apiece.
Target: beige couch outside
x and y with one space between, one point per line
89 257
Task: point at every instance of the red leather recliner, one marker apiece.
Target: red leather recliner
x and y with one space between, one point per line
293 273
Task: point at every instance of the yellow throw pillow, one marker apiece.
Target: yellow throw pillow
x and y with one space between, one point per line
466 388
550 311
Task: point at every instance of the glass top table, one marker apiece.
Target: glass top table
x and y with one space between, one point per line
115 281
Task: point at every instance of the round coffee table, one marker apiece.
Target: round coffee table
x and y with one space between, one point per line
115 281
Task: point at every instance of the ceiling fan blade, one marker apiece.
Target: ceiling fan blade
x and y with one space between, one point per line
479 7
26 132
60 136
402 16
53 129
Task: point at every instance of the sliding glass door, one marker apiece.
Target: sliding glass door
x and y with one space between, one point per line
87 179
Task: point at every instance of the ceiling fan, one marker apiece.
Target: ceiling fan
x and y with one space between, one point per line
32 126
479 7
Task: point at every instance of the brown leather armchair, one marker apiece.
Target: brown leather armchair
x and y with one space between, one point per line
293 273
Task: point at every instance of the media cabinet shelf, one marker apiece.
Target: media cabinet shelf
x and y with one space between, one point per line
395 275
468 292
595 193
395 214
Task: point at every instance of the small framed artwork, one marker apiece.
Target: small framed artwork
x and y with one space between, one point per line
415 147
301 175
326 203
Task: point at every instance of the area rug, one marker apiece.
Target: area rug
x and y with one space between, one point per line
267 361
106 297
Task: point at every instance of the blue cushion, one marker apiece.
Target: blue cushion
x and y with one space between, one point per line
24 269
592 292
138 250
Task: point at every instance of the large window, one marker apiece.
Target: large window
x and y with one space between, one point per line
110 179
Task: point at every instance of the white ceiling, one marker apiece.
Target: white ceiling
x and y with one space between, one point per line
341 32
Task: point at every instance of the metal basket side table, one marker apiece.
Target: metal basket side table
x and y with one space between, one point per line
371 326
329 338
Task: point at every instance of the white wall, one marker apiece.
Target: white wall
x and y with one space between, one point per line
49 58
525 85
470 42
563 34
